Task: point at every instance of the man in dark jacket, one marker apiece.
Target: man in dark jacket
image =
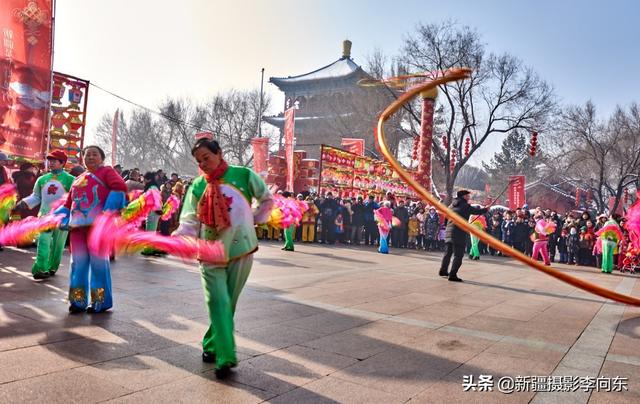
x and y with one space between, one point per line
370 228
400 233
328 213
357 221
456 238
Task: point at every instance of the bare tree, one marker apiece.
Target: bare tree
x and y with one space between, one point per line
601 155
137 139
502 94
233 116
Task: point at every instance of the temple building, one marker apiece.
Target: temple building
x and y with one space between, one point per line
330 105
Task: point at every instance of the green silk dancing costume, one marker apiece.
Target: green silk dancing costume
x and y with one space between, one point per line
47 190
223 284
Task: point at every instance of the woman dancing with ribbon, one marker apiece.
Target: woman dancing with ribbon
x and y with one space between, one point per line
218 207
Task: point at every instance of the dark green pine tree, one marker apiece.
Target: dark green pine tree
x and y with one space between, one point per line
513 159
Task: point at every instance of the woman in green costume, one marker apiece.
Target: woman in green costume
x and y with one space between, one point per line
151 224
218 207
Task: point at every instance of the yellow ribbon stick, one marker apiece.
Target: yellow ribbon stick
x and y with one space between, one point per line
454 75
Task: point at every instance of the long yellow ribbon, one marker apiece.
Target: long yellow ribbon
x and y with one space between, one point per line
454 75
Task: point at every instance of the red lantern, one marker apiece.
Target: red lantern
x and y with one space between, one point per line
467 145
445 144
625 196
452 162
534 144
577 197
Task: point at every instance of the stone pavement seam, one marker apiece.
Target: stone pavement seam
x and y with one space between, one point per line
588 353
433 326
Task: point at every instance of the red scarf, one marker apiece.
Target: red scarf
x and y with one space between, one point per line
213 209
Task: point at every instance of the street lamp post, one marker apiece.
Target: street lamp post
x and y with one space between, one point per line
260 107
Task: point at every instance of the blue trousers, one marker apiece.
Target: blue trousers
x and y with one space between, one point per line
90 278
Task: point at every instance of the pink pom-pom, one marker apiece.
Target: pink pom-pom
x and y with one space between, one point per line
170 207
25 230
110 233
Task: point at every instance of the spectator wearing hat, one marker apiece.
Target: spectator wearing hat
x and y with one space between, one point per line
48 190
455 237
25 179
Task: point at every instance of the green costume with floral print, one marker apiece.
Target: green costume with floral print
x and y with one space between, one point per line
47 190
223 284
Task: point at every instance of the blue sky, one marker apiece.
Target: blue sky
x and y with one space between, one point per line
146 50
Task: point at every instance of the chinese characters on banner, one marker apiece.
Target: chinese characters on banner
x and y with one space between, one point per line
25 76
355 146
289 123
68 116
260 155
517 196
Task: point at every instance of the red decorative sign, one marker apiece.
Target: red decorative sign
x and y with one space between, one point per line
25 76
289 127
68 117
355 146
517 196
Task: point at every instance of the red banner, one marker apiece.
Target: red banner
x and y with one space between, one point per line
289 124
260 155
517 196
355 146
25 76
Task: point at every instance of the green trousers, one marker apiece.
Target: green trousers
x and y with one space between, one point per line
289 233
50 248
151 225
607 255
475 251
222 287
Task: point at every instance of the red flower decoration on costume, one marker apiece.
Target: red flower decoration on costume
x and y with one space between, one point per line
52 189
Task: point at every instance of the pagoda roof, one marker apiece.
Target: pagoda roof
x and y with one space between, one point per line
278 121
342 68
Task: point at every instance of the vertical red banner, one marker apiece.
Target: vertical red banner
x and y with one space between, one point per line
260 155
289 127
25 76
517 196
355 146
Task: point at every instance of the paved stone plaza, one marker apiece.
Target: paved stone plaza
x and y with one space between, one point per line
323 324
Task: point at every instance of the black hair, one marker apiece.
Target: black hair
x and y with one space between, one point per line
151 177
212 145
286 194
84 151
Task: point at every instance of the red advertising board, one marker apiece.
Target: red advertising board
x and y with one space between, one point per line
517 196
25 76
355 146
289 127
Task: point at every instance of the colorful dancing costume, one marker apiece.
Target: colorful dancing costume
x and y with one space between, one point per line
91 194
384 217
47 190
223 284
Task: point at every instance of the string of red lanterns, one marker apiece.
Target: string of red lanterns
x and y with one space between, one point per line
534 144
452 162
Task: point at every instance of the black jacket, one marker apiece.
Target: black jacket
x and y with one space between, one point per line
454 234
